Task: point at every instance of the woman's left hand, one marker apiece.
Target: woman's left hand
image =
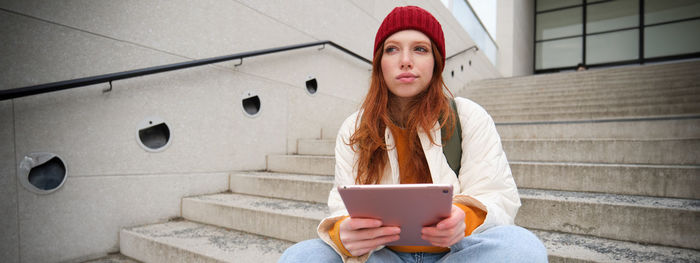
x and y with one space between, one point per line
448 231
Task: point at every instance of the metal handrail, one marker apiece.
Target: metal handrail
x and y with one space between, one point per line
74 83
463 51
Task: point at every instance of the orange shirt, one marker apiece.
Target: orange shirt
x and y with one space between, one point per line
474 217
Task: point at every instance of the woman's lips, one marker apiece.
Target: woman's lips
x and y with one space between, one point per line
406 77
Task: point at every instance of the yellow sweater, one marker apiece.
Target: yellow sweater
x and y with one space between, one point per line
474 216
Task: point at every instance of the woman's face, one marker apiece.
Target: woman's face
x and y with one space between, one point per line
407 63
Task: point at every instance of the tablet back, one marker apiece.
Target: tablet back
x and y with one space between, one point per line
409 206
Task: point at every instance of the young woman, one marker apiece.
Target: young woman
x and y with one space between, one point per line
396 138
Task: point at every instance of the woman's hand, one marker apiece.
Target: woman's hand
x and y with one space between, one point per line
448 231
360 236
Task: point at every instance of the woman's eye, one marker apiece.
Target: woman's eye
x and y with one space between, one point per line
390 50
421 49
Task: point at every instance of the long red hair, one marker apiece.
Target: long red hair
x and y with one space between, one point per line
424 110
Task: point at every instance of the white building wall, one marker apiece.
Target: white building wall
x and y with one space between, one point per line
515 32
112 182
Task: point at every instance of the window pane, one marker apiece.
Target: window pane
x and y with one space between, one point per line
615 46
672 39
612 15
657 11
562 23
551 4
558 53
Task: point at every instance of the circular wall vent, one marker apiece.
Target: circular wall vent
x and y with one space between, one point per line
251 104
311 85
42 172
153 134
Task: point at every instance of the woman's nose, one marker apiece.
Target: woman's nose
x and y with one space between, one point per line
406 60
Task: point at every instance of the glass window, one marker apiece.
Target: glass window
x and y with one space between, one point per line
613 15
672 39
657 11
562 23
543 5
558 53
610 47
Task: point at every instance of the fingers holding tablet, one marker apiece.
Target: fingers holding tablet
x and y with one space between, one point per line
360 236
448 231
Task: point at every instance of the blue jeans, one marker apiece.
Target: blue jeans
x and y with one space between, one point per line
497 244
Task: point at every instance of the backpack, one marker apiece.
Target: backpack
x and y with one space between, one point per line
452 148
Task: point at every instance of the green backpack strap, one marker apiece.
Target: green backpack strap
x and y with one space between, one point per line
452 148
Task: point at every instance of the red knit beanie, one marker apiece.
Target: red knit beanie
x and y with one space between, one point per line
411 17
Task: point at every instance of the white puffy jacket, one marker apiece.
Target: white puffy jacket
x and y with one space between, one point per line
485 179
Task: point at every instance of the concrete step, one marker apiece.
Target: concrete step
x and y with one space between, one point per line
643 72
634 113
651 220
577 248
592 105
568 92
301 164
609 110
310 188
600 77
645 180
582 86
113 258
640 128
316 147
279 218
620 151
185 241
629 99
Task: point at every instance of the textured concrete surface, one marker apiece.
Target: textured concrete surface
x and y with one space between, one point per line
626 151
680 104
310 188
114 258
647 180
576 99
284 219
640 129
301 164
318 20
597 112
577 248
660 221
83 218
185 241
638 91
9 232
633 112
178 27
317 147
37 52
96 133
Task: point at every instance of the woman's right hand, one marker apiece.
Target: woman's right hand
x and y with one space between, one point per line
361 235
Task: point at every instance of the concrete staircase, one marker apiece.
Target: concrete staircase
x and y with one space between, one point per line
607 163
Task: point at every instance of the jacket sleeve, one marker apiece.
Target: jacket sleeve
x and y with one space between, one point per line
344 175
485 174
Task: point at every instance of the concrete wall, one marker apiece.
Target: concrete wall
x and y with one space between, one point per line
112 182
515 31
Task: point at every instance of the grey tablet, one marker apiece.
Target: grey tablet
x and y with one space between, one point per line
409 206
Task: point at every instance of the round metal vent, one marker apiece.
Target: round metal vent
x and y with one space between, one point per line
42 172
153 134
311 85
251 104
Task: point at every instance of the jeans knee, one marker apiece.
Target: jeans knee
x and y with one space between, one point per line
314 250
522 244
